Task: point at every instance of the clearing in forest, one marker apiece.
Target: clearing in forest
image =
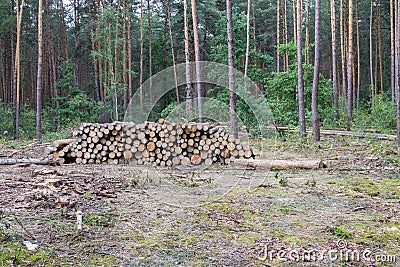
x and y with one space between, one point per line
209 216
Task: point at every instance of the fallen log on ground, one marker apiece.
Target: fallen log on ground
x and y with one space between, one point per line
281 164
30 161
345 133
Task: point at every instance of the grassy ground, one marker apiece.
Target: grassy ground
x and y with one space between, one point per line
219 216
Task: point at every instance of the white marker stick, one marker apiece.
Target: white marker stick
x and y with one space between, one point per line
79 220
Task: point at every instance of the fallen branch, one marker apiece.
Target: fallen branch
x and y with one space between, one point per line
35 144
23 227
30 161
345 133
3 155
280 164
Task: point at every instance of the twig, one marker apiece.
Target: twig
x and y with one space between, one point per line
358 209
23 227
264 186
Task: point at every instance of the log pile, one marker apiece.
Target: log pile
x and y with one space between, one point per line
159 144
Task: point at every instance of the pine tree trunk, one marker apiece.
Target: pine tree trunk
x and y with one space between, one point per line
51 64
64 30
300 89
379 44
315 116
295 21
76 39
397 85
256 63
334 62
164 44
396 48
130 85
17 67
358 57
150 32
189 88
2 80
172 52
114 66
246 67
371 67
11 63
93 16
101 74
307 44
231 64
376 67
278 42
350 69
141 55
124 58
343 50
39 96
197 58
392 50
286 35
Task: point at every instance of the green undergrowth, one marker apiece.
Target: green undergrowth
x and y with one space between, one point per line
14 254
387 187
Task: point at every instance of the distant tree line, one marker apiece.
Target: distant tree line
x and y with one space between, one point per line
334 60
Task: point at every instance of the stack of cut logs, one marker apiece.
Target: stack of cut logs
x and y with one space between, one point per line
160 144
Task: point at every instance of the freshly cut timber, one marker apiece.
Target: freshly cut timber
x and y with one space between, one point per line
159 144
30 161
281 164
60 144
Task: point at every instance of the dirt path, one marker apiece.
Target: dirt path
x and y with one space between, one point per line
219 216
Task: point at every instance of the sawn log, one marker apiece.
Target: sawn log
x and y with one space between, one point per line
281 164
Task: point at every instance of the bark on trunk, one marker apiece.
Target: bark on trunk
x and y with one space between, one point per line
300 89
315 116
278 14
141 55
334 63
172 53
398 73
189 88
39 97
246 65
392 50
30 161
150 32
343 50
371 67
197 58
350 69
280 164
231 64
17 67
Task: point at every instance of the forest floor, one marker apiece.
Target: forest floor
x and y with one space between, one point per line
218 216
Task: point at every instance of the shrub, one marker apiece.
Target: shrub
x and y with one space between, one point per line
380 117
